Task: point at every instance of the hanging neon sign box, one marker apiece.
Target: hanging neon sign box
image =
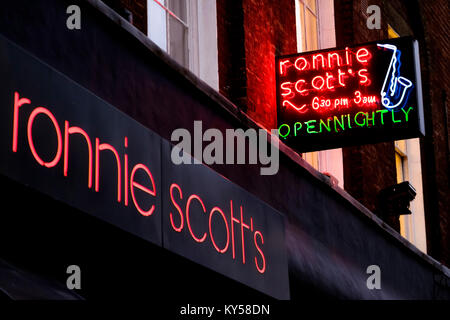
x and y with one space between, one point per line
350 96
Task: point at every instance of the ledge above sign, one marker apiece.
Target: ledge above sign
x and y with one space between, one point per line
355 95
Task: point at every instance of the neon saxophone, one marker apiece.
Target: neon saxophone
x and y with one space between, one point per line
396 90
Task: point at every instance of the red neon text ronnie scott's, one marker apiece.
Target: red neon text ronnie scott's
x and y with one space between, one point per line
306 79
194 205
216 218
63 145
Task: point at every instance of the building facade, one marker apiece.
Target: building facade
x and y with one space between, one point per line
166 64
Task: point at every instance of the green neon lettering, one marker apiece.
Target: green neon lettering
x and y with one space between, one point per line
356 118
341 124
369 118
310 126
297 126
382 115
348 121
323 123
393 118
406 113
288 128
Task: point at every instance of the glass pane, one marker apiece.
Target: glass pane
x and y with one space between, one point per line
311 31
179 8
178 33
157 25
178 48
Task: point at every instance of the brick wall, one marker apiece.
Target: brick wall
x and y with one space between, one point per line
231 51
139 10
269 30
247 55
435 49
369 168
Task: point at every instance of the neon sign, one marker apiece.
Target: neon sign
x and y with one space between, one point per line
355 95
194 202
60 139
20 102
394 87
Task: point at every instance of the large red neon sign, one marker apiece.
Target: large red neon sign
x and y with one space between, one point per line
316 75
228 223
321 95
127 184
63 146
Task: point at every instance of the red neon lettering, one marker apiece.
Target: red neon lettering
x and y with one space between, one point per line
341 77
371 99
125 191
304 64
347 56
358 97
315 103
297 86
233 220
336 103
315 58
336 58
329 77
314 83
243 225
361 54
17 104
180 212
340 102
263 268
55 160
187 217
288 89
134 184
76 130
364 79
282 68
104 146
290 104
211 233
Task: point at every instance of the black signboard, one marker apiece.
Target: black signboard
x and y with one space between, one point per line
214 222
62 140
349 96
